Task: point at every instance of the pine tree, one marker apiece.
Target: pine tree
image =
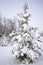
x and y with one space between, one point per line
27 45
23 22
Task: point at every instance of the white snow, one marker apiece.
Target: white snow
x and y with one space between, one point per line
26 15
4 41
24 50
6 57
11 33
24 27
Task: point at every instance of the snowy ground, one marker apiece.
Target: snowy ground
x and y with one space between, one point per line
6 57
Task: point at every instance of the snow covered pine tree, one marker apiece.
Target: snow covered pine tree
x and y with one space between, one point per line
27 45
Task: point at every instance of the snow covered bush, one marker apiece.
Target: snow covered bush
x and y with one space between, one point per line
4 41
27 46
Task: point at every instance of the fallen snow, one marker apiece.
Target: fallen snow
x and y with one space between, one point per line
6 57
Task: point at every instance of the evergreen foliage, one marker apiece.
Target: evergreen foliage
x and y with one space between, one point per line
27 46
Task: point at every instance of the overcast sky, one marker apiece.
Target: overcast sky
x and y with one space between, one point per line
10 8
